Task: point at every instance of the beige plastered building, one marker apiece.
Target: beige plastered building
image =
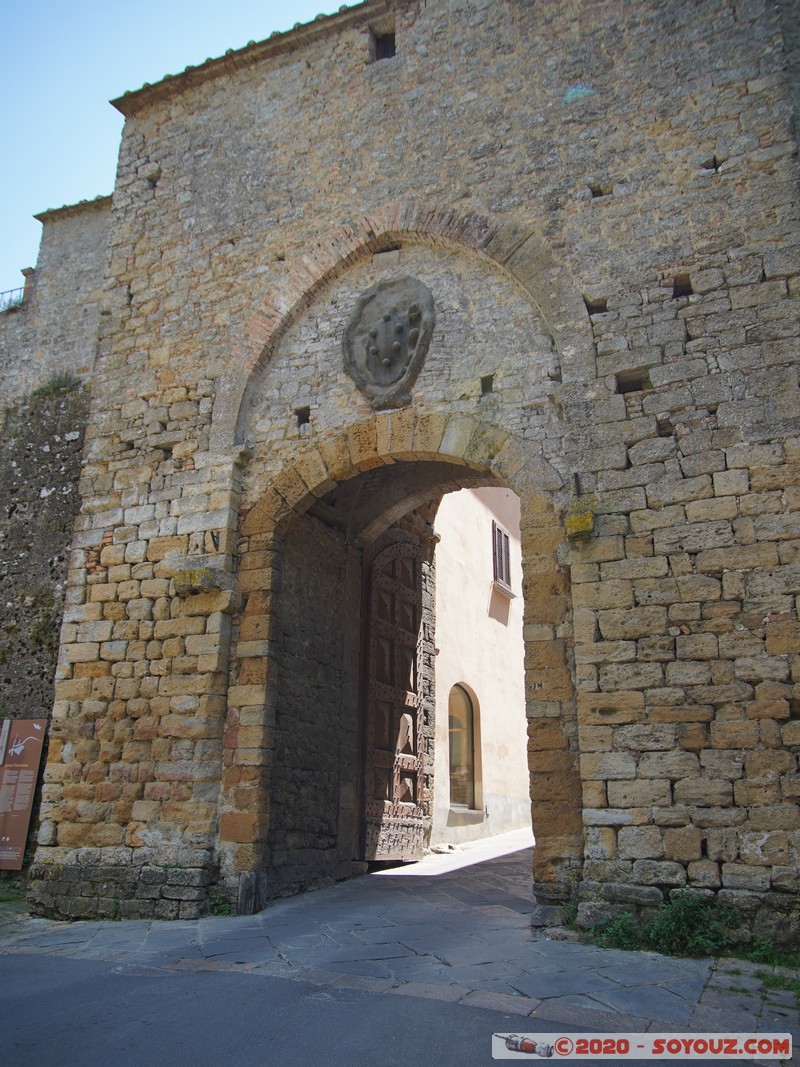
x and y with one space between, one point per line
481 768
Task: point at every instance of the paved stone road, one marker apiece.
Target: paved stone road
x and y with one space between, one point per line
460 935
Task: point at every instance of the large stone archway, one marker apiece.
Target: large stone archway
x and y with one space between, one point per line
420 457
196 716
624 361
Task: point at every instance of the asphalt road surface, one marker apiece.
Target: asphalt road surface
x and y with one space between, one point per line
59 1012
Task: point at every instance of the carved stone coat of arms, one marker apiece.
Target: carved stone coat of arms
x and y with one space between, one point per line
387 338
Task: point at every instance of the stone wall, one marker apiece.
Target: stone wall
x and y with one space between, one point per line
685 601
40 453
54 331
313 782
602 201
790 25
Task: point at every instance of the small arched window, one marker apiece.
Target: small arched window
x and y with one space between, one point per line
462 748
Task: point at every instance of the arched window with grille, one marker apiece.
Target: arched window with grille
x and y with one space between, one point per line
461 713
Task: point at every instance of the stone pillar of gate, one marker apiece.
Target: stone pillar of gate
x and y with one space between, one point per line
288 816
130 802
248 743
555 785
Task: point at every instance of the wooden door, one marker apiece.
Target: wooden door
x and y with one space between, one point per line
395 824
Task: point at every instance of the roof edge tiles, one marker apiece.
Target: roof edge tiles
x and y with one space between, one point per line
73 209
237 59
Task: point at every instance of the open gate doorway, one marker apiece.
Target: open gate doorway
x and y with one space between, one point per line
481 758
443 695
355 778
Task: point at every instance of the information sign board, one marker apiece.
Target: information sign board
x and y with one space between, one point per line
21 742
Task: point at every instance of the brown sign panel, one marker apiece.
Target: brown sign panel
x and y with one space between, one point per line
19 768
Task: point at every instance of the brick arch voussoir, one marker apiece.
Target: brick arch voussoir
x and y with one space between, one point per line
513 246
381 439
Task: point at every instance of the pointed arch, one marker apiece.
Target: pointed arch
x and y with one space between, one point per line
513 246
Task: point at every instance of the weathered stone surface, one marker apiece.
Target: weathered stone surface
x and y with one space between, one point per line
683 844
387 339
742 876
648 896
652 872
640 842
671 765
636 794
41 453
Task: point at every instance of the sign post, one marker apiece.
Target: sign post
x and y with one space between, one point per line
21 742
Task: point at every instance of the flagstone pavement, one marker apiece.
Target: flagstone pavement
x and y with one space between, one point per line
455 927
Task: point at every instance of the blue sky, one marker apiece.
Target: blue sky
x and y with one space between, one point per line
61 63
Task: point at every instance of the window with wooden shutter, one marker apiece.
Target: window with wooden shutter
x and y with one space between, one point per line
501 556
382 44
385 46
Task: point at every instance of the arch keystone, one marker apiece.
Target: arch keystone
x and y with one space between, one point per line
539 474
396 434
508 461
428 434
505 240
290 485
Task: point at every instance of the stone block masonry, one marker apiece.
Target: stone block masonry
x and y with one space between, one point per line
612 248
54 331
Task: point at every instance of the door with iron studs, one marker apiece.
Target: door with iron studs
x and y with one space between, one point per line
395 827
